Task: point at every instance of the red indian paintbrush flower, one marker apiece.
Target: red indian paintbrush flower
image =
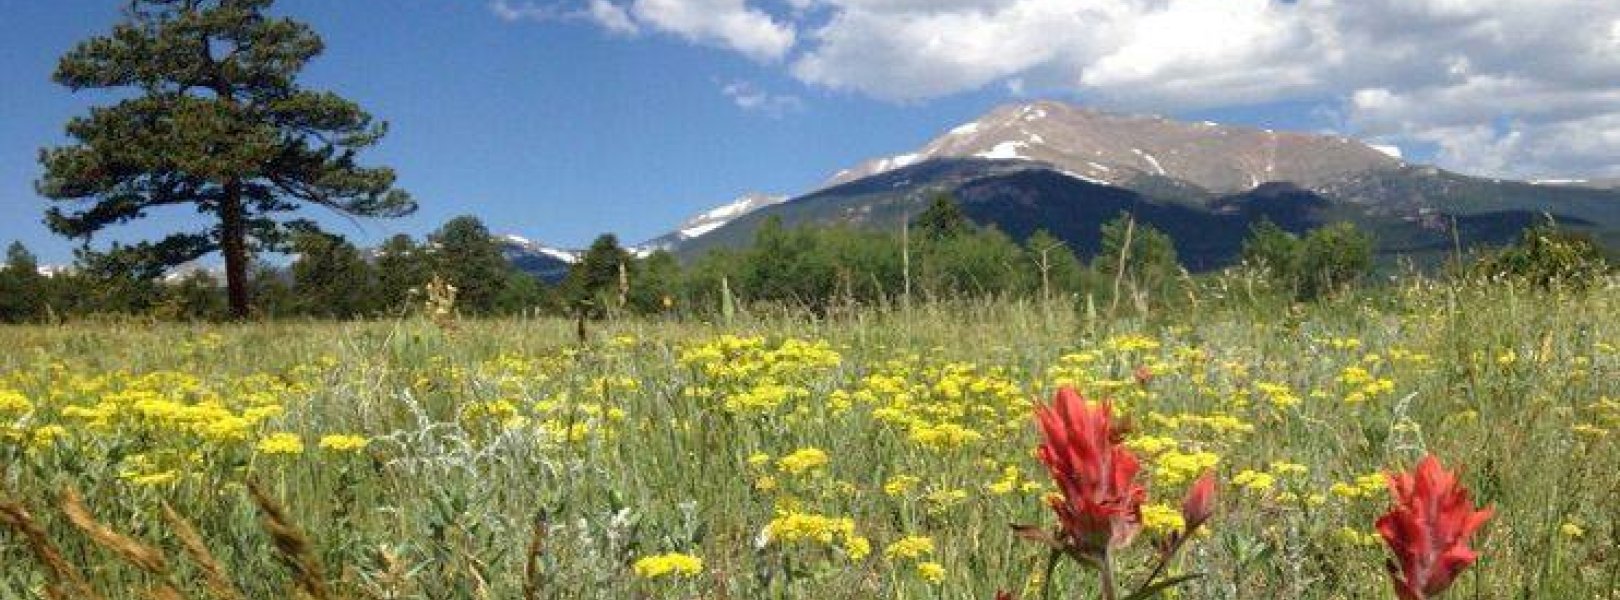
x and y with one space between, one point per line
1428 529
1101 503
1199 504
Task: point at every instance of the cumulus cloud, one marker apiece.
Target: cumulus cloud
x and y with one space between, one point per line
603 13
750 97
1512 87
726 23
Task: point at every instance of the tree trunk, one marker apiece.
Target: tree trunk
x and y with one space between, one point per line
233 242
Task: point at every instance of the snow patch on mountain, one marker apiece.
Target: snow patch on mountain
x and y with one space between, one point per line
1391 150
527 245
1004 151
1154 162
707 221
692 232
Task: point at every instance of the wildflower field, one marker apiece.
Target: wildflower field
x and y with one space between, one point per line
875 455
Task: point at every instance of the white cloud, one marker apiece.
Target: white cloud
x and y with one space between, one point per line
1514 87
605 14
729 24
752 98
612 17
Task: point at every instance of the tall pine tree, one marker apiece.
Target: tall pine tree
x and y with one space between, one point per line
215 120
468 257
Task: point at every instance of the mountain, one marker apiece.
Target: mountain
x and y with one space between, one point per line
548 263
552 264
707 221
1130 150
1067 169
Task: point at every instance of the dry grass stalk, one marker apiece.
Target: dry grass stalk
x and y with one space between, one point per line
164 592
66 582
531 565
137 554
291 543
218 584
392 580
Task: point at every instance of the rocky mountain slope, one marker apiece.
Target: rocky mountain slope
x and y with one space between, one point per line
1067 169
1124 150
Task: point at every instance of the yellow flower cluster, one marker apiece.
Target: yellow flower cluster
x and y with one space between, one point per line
799 528
1371 485
673 563
909 548
281 443
343 443
802 461
1161 519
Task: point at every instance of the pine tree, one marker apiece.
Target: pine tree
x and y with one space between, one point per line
401 265
593 284
943 219
469 258
216 120
22 289
330 278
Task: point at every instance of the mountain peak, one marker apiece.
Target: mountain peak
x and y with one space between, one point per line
1119 148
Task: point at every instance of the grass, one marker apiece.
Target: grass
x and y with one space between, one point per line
503 461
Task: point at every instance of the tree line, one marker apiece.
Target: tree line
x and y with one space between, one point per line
939 255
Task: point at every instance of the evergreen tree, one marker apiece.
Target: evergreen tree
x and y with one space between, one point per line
23 291
272 291
213 118
943 219
112 283
655 286
330 277
523 294
402 265
593 284
195 296
469 258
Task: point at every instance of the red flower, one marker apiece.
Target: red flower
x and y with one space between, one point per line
1101 503
1428 529
1199 504
1144 375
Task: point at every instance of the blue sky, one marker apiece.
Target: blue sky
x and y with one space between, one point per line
562 120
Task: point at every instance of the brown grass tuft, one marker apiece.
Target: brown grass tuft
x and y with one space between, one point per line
219 585
130 550
291 543
66 582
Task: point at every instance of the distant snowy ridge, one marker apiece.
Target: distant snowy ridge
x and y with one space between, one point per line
698 225
1120 149
567 256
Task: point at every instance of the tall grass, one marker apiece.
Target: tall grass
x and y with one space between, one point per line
448 501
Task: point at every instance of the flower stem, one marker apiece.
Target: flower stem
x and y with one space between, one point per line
1106 569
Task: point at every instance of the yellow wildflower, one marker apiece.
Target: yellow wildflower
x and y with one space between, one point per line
673 563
